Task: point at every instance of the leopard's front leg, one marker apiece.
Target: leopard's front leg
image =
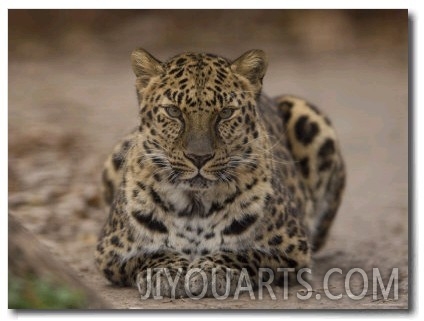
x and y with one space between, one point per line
162 275
127 260
155 274
224 272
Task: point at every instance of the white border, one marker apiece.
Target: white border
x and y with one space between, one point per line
418 211
158 4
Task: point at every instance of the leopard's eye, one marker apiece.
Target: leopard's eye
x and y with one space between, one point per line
226 113
173 111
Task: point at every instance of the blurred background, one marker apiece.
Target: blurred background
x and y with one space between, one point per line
37 33
71 98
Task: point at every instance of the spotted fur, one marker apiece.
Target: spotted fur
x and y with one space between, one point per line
217 175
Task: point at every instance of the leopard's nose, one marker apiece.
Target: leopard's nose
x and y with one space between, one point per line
199 160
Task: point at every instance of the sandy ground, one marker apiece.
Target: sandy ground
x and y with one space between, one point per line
67 112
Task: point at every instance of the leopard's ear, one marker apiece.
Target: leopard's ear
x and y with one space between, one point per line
145 66
252 65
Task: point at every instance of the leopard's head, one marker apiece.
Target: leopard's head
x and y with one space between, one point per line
199 122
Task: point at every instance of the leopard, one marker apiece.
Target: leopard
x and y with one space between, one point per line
216 178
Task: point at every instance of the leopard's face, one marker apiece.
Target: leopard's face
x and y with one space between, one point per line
198 116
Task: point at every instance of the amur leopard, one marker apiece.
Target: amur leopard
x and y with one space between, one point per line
217 177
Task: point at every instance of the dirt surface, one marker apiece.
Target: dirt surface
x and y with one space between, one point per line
68 109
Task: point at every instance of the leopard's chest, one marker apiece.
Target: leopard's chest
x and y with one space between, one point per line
202 225
199 236
195 236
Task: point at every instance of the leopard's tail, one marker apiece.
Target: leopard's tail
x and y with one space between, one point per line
315 148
